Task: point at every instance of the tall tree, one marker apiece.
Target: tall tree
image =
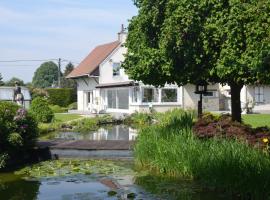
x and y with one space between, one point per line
45 75
1 80
68 83
188 41
12 81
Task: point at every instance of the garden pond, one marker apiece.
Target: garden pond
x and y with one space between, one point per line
96 179
112 132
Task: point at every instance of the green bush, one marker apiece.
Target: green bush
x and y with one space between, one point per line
58 109
171 149
73 106
18 131
61 96
41 110
85 124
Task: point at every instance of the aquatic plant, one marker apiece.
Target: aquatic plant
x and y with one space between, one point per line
71 167
172 149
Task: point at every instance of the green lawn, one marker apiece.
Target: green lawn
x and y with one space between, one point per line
256 120
61 117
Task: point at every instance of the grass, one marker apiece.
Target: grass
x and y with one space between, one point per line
257 120
66 117
171 149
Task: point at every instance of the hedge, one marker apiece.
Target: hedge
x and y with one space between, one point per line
61 96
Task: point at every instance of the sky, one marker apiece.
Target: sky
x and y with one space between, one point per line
52 29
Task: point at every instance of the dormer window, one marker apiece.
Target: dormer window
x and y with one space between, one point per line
116 68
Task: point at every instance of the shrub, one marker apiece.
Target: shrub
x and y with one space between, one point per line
61 96
38 92
18 131
140 118
73 106
221 126
85 124
41 110
58 109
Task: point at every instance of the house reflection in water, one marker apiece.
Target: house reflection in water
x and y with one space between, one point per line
118 132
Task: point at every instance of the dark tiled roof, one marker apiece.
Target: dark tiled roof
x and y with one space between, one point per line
94 59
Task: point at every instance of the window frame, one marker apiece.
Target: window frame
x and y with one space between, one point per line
259 94
116 69
161 96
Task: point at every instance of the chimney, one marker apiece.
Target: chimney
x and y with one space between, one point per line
122 35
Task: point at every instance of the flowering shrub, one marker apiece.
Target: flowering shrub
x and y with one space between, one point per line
18 130
221 126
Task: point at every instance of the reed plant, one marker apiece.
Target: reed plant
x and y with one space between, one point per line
171 149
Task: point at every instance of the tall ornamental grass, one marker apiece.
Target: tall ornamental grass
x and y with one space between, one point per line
170 148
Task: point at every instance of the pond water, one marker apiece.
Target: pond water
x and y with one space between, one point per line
83 180
116 132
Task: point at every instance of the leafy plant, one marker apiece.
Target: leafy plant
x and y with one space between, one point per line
41 110
18 131
171 149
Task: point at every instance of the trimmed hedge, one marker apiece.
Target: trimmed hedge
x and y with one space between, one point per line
61 96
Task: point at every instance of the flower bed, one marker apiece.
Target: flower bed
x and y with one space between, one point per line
221 126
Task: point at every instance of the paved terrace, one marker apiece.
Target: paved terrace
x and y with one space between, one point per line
111 149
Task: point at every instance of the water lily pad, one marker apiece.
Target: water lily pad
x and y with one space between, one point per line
112 193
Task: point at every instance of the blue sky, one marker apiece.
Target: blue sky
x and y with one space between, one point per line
46 29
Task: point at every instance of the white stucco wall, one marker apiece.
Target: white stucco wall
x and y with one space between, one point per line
190 99
84 85
106 68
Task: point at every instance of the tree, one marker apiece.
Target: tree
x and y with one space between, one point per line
193 40
12 81
68 83
45 75
1 80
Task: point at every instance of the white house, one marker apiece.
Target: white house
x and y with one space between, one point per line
103 86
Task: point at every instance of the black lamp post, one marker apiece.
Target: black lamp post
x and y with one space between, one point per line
201 88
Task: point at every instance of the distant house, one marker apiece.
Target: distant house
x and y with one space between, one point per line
6 94
103 86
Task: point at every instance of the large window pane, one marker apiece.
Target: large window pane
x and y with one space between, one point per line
135 94
123 99
168 95
111 96
150 95
118 98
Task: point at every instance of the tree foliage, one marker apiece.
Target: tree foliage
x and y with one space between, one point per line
68 83
187 41
1 80
45 75
12 81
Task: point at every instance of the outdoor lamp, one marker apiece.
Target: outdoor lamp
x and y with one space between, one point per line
201 88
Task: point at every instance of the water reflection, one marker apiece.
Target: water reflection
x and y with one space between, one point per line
14 188
118 132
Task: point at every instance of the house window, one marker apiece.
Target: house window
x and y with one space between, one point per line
90 97
116 69
210 94
111 96
118 98
259 97
150 95
169 95
135 94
